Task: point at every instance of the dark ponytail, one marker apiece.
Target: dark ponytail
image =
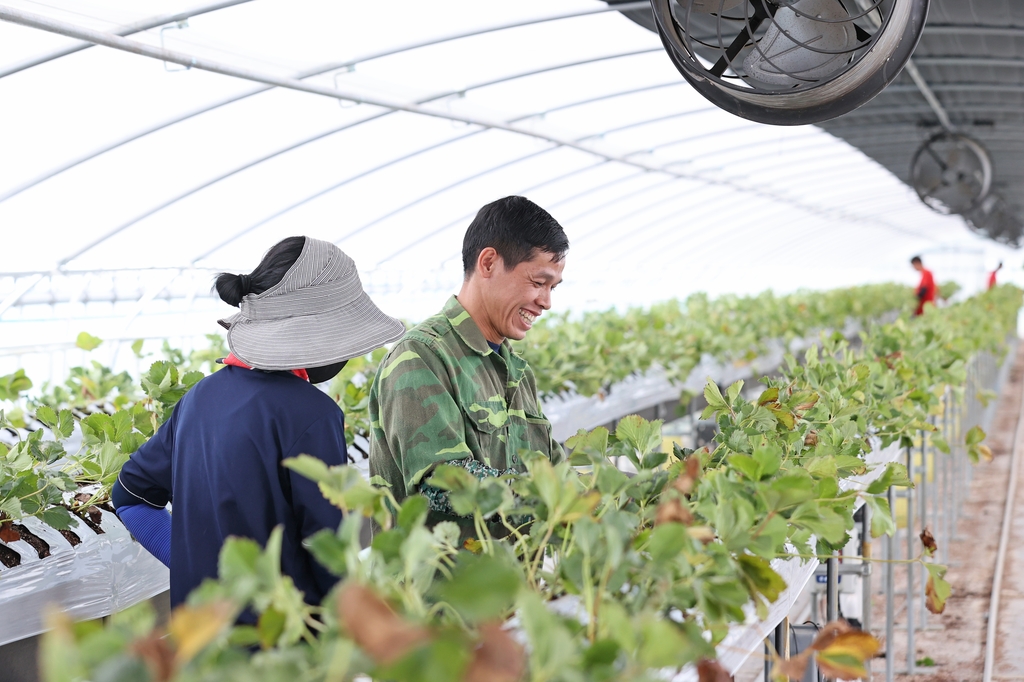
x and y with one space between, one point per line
277 261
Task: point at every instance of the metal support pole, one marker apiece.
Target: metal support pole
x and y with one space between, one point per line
865 585
944 473
832 594
911 498
890 594
926 469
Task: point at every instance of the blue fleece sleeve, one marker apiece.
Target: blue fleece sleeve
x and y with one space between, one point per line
151 527
147 475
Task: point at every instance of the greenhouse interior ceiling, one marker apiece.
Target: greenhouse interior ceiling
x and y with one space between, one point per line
150 146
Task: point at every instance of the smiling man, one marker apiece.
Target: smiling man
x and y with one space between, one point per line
452 390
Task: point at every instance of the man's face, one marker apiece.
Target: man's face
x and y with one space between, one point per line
918 266
515 298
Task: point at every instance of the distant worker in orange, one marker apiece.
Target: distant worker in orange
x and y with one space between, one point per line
926 290
992 275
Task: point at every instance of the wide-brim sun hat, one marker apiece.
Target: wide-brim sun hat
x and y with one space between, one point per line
317 315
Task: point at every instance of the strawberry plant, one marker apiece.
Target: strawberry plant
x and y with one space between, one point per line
595 575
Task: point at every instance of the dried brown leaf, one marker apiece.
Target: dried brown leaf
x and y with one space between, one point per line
829 633
380 632
803 407
673 511
684 484
8 533
693 467
793 667
712 671
497 658
156 653
928 540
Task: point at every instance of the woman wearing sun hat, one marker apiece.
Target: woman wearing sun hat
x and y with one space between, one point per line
302 314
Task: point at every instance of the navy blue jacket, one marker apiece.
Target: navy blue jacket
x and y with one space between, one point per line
218 459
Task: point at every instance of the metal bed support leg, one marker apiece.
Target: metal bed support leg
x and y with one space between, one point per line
832 594
890 594
911 498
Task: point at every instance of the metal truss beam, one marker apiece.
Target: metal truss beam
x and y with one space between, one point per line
130 29
308 73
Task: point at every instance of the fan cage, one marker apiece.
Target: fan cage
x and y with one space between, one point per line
717 46
936 150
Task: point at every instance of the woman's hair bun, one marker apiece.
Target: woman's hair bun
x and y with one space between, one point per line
232 288
276 262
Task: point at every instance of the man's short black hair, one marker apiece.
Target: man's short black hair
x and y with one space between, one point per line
915 259
514 227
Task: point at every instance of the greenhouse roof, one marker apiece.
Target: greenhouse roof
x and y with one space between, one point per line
197 135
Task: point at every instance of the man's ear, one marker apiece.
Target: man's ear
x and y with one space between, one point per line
488 262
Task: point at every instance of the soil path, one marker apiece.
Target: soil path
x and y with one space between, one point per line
955 640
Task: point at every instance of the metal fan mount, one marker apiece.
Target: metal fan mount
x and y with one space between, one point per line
952 173
789 62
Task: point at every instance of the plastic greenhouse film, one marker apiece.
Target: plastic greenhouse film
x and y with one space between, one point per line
105 573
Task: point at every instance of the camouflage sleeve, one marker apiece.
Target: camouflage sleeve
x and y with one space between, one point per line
415 420
438 498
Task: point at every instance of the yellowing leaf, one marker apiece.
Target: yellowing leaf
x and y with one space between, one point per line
845 656
937 590
193 627
985 453
582 506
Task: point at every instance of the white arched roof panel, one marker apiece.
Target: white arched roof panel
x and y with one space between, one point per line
129 183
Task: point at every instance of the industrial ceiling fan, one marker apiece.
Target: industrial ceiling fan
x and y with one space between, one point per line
789 62
951 173
992 218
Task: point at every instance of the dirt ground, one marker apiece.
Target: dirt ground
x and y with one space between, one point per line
955 640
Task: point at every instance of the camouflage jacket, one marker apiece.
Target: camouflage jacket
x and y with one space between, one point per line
442 395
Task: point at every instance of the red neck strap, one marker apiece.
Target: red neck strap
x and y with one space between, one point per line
235 362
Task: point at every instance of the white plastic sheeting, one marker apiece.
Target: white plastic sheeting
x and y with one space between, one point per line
107 572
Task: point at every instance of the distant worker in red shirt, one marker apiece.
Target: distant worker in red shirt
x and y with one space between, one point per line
992 275
926 290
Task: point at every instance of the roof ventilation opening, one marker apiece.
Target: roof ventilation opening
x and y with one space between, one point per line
789 62
951 173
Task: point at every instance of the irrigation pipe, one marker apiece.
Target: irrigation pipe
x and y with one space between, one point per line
1004 542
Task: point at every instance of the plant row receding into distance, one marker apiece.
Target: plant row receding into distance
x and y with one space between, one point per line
579 572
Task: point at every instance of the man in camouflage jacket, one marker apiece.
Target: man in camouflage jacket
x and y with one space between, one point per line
452 390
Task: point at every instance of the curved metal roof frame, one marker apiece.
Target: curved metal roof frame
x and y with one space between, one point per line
671 172
118 42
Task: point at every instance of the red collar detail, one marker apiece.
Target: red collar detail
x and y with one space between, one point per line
235 362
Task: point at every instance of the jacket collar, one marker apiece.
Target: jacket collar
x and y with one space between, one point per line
465 327
471 335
